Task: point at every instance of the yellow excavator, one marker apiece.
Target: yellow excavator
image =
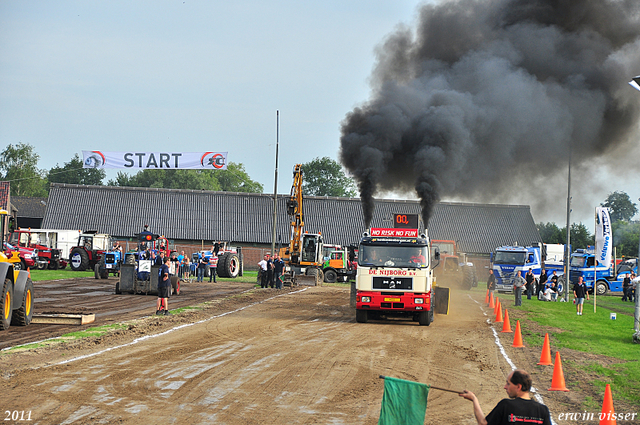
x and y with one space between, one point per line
303 257
16 304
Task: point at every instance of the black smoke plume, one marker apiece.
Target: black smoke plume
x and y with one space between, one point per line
485 96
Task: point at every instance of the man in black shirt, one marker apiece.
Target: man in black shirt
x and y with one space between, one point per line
579 293
164 288
518 408
491 282
542 283
626 285
529 277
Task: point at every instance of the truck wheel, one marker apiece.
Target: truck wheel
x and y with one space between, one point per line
41 266
362 316
425 318
229 265
54 265
330 276
561 286
79 260
22 316
96 271
601 287
5 305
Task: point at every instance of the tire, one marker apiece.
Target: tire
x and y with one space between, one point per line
5 305
41 266
96 271
425 318
312 271
330 276
561 286
229 265
23 315
175 285
601 287
118 291
469 277
104 274
362 316
54 265
79 260
19 266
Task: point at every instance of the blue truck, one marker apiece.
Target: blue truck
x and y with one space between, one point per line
508 260
606 278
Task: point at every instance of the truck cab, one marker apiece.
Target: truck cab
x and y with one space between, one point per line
395 278
606 278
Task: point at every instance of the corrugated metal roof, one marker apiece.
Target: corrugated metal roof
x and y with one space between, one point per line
29 206
247 217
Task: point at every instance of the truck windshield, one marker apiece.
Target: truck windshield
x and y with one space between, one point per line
509 257
393 256
444 247
577 261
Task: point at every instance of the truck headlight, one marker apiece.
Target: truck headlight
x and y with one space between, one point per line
366 299
419 301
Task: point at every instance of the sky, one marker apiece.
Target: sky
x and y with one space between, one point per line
195 76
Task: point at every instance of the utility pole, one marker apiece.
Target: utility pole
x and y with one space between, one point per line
567 248
635 83
275 187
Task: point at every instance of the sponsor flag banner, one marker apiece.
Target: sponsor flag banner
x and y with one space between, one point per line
604 241
155 160
403 402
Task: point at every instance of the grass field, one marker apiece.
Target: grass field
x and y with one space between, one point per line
39 275
593 333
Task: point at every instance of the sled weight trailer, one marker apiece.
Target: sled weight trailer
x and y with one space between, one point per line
130 283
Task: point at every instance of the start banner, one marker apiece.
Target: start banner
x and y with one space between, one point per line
155 160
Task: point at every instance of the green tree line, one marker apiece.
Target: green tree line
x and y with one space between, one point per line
626 233
19 165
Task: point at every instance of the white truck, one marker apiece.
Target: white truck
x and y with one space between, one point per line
395 276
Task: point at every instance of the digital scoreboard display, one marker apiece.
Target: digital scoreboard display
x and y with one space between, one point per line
405 221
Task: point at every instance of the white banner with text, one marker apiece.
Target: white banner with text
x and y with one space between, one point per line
155 160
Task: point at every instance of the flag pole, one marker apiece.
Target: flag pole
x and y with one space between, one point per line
434 387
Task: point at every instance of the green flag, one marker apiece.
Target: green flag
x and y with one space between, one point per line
403 402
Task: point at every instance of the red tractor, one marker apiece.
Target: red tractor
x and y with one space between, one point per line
89 251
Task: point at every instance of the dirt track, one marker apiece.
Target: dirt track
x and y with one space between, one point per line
265 357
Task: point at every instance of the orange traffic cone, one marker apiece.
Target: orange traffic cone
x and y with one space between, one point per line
517 338
545 357
499 315
557 382
506 326
495 309
607 409
486 299
491 304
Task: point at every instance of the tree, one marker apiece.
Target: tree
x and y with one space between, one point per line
625 238
620 206
550 233
73 173
233 179
325 177
580 236
18 165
